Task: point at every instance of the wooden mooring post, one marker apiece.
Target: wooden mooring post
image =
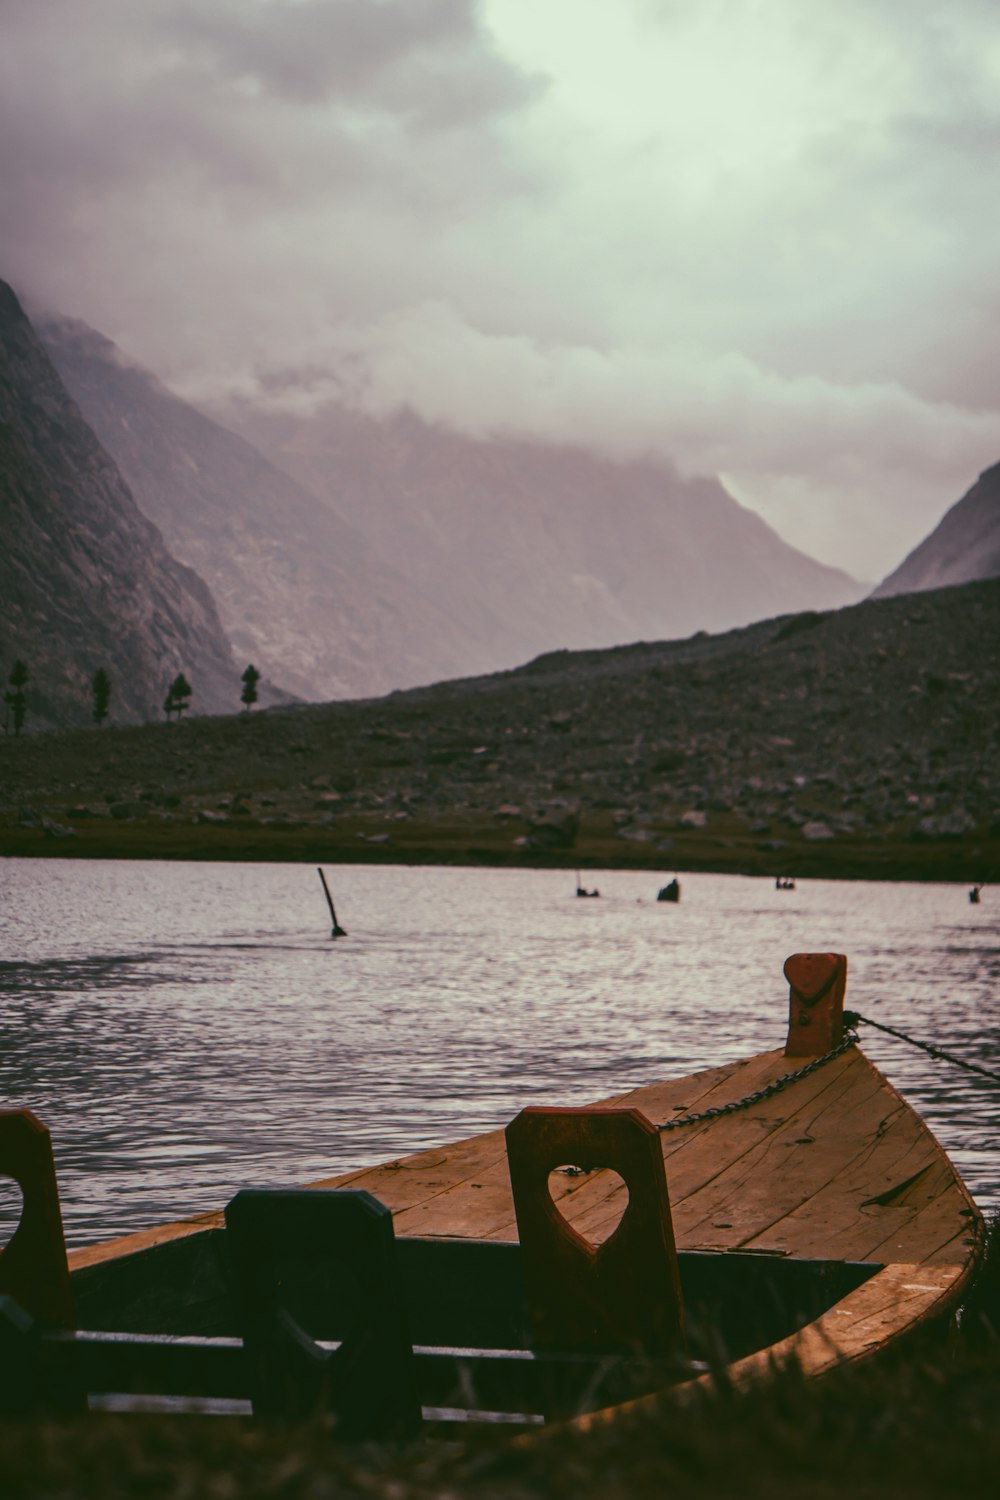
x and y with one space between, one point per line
337 931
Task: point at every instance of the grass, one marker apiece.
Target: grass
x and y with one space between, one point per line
921 1422
467 840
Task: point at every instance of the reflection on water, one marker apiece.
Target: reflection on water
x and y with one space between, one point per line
186 1030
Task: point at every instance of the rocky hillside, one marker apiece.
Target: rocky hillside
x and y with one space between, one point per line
862 741
85 578
528 547
963 547
300 592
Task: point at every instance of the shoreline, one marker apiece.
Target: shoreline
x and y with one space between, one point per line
472 842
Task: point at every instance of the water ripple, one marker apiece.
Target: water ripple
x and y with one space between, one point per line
185 1030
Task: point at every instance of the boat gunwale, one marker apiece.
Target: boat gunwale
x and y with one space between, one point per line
904 1295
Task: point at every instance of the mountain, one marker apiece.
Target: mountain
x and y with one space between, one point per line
86 580
530 547
426 554
963 547
300 592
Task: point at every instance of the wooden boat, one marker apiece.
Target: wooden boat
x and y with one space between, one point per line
815 1219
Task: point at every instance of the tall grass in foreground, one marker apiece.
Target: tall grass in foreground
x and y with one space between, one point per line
923 1421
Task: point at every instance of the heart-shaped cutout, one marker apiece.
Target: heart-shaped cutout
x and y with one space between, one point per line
593 1201
11 1207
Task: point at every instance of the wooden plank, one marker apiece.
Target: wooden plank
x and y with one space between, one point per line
142 1239
458 1191
480 1205
898 1200
499 1380
840 1135
624 1294
731 1180
146 1365
33 1261
423 1184
284 1245
900 1296
178 1286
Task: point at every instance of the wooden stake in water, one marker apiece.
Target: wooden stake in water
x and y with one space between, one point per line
338 931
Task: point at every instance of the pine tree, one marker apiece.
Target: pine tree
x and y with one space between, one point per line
250 679
178 693
100 685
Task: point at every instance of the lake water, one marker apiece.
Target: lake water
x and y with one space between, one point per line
185 1030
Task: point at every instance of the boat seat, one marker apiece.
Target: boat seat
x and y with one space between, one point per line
329 1258
33 1267
625 1294
322 1261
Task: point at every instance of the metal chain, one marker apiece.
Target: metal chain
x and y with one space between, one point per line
713 1113
850 1040
852 1018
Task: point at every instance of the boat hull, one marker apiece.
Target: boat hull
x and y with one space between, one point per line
820 1224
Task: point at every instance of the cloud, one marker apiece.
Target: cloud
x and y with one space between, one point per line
783 443
426 61
754 236
197 180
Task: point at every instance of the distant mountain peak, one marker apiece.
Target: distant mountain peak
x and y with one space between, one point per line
963 548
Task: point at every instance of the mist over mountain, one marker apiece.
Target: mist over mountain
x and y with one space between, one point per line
86 580
300 592
531 547
362 555
962 548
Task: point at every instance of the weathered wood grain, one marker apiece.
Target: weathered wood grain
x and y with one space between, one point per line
835 1166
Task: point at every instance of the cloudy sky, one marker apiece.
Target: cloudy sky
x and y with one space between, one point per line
758 237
